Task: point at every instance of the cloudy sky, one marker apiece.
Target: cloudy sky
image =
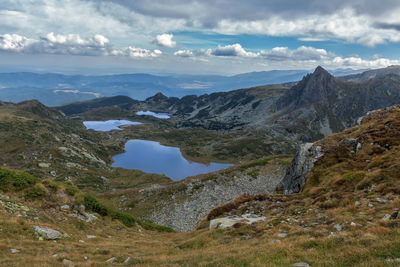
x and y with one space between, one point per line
176 36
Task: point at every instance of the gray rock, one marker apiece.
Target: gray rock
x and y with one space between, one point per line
358 147
13 250
300 264
66 261
381 200
90 236
65 207
185 208
307 155
47 233
44 165
227 222
111 260
338 227
282 235
386 217
127 260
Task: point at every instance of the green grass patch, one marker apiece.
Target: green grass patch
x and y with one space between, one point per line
128 220
35 193
15 181
353 176
70 189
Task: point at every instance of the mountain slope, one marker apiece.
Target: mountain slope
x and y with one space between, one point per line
347 215
321 104
370 74
318 105
46 143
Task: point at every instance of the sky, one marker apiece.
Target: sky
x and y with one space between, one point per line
197 37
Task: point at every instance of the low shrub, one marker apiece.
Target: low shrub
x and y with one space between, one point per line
128 220
329 204
94 205
354 176
35 192
15 181
70 189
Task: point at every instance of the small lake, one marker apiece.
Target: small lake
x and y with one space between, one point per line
109 125
154 114
152 157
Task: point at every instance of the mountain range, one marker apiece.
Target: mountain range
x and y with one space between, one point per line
316 106
56 89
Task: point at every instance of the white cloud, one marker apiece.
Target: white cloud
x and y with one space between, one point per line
345 25
301 53
352 21
357 62
71 44
14 42
303 57
184 53
135 52
165 40
235 50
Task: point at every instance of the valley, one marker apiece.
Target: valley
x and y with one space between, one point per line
313 163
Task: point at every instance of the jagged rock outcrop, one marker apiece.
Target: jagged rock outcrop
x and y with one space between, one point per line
301 165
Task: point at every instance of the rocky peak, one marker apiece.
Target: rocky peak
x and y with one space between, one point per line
313 88
320 71
157 97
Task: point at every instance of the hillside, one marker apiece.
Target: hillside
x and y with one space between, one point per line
48 144
346 215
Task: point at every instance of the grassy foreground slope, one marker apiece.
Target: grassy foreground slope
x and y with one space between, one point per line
347 215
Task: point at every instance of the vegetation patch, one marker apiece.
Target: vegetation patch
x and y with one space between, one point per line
35 193
354 176
15 180
128 220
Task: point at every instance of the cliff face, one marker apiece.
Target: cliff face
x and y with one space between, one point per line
301 165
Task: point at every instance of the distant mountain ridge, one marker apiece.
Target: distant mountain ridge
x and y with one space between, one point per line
318 105
58 89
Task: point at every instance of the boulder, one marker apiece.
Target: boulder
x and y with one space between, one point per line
228 222
111 260
300 264
44 165
47 233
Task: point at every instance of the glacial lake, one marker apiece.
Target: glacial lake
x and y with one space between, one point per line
109 125
154 114
152 157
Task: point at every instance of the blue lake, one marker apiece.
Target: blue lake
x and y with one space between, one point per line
151 113
105 126
152 157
